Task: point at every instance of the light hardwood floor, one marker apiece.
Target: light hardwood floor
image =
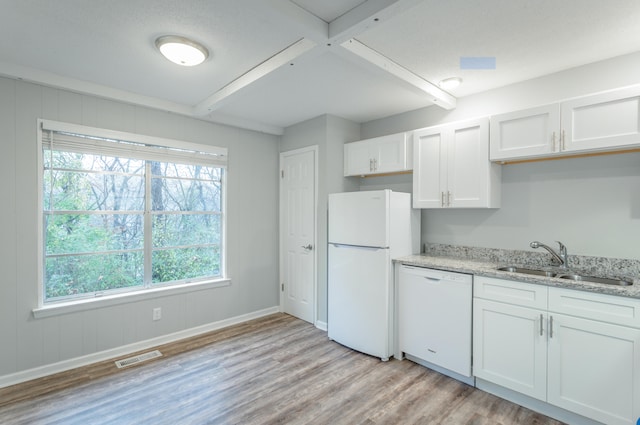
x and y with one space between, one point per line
274 370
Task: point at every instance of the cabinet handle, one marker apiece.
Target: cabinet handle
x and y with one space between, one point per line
442 198
550 326
370 164
562 141
448 198
553 142
375 164
541 319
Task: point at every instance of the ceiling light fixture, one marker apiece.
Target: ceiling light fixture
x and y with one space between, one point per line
450 83
181 50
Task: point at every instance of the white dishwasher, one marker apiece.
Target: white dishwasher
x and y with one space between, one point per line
434 319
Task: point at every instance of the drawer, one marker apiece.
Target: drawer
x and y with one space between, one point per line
602 307
512 292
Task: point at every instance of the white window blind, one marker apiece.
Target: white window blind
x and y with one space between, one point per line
83 139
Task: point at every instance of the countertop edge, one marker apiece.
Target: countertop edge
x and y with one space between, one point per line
490 269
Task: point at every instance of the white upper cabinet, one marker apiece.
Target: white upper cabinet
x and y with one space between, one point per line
452 168
603 122
380 155
528 133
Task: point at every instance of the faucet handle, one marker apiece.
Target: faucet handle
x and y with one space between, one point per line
563 248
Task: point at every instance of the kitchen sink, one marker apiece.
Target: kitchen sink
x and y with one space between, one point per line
568 276
604 280
524 270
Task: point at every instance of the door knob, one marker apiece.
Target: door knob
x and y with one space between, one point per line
308 247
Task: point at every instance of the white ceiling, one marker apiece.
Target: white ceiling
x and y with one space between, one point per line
274 63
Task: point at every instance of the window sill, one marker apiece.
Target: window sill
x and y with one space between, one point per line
57 309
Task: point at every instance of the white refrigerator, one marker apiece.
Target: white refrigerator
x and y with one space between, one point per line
367 230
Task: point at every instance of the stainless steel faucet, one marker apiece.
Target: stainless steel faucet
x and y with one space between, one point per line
560 256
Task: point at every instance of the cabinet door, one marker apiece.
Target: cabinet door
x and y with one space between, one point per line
429 168
510 347
525 134
390 154
358 160
602 122
594 369
468 166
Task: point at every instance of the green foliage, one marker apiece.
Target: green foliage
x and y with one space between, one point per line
94 226
76 275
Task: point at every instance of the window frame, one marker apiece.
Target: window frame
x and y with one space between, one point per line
168 150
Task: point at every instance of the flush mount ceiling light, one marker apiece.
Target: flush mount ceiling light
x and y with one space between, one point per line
450 83
181 50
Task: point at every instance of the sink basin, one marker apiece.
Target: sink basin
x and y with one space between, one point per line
604 280
568 276
524 270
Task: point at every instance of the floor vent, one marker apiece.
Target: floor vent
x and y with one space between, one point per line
138 359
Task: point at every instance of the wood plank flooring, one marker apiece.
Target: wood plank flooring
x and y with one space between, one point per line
274 370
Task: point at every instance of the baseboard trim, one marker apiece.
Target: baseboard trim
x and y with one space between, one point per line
469 380
62 366
321 325
534 404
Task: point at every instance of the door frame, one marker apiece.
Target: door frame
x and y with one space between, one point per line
282 236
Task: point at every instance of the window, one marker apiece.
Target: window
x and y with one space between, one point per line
124 212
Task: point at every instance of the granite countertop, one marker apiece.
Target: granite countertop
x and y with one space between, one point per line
456 261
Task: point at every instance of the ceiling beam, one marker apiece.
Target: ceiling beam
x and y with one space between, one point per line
283 57
58 81
345 28
437 95
287 13
317 35
364 16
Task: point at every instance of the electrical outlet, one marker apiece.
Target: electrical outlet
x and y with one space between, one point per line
157 313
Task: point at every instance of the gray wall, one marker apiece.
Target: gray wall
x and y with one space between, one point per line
329 133
591 204
252 211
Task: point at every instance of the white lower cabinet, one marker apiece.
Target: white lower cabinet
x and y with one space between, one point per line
593 369
579 352
508 349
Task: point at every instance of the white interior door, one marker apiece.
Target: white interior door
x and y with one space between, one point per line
298 232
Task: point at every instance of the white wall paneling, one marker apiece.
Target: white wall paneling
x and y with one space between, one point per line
8 232
37 344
